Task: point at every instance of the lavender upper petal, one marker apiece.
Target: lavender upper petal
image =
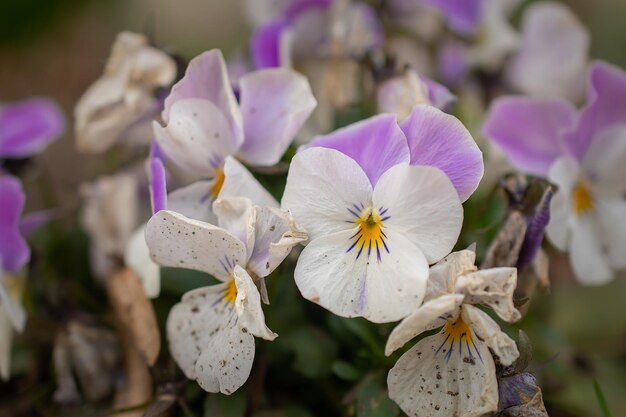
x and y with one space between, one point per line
440 140
376 144
28 126
14 252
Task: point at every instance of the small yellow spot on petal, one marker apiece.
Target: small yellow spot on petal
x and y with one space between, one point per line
582 198
230 294
219 182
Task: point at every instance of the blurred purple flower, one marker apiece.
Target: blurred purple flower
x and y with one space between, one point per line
158 181
427 137
583 153
463 16
28 127
14 252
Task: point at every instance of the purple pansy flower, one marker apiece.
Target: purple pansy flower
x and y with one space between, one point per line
582 152
28 127
463 16
376 202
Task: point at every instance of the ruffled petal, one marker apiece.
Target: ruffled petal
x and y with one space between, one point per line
197 137
530 131
488 330
429 316
439 378
177 241
440 140
276 233
443 275
206 78
29 126
493 287
376 144
275 103
236 215
137 258
421 203
14 252
605 107
380 284
552 61
323 186
248 306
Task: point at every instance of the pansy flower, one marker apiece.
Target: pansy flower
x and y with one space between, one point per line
582 153
452 372
14 254
211 331
205 124
125 96
380 202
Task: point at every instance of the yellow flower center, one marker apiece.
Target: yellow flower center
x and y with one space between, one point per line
582 198
230 293
219 182
370 235
458 338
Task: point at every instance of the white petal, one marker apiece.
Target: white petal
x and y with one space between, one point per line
239 182
564 172
360 285
322 186
488 330
443 274
429 316
588 257
197 138
604 161
493 287
423 205
137 257
561 217
194 201
248 306
428 382
276 234
226 361
237 217
176 241
6 339
275 103
206 341
10 301
611 216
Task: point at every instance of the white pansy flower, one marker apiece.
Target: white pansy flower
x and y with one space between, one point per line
210 332
452 373
124 95
12 317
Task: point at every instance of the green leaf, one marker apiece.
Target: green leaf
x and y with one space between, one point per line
226 405
373 399
345 370
601 399
288 411
314 351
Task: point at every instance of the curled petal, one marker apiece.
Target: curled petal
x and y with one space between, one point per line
429 316
443 275
248 306
239 182
488 330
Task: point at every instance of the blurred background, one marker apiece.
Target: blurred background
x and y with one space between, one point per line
57 48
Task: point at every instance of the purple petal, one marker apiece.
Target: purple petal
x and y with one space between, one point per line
530 131
440 140
27 127
266 44
33 221
438 95
275 103
535 231
463 15
453 65
158 182
14 252
376 144
207 78
606 106
517 390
